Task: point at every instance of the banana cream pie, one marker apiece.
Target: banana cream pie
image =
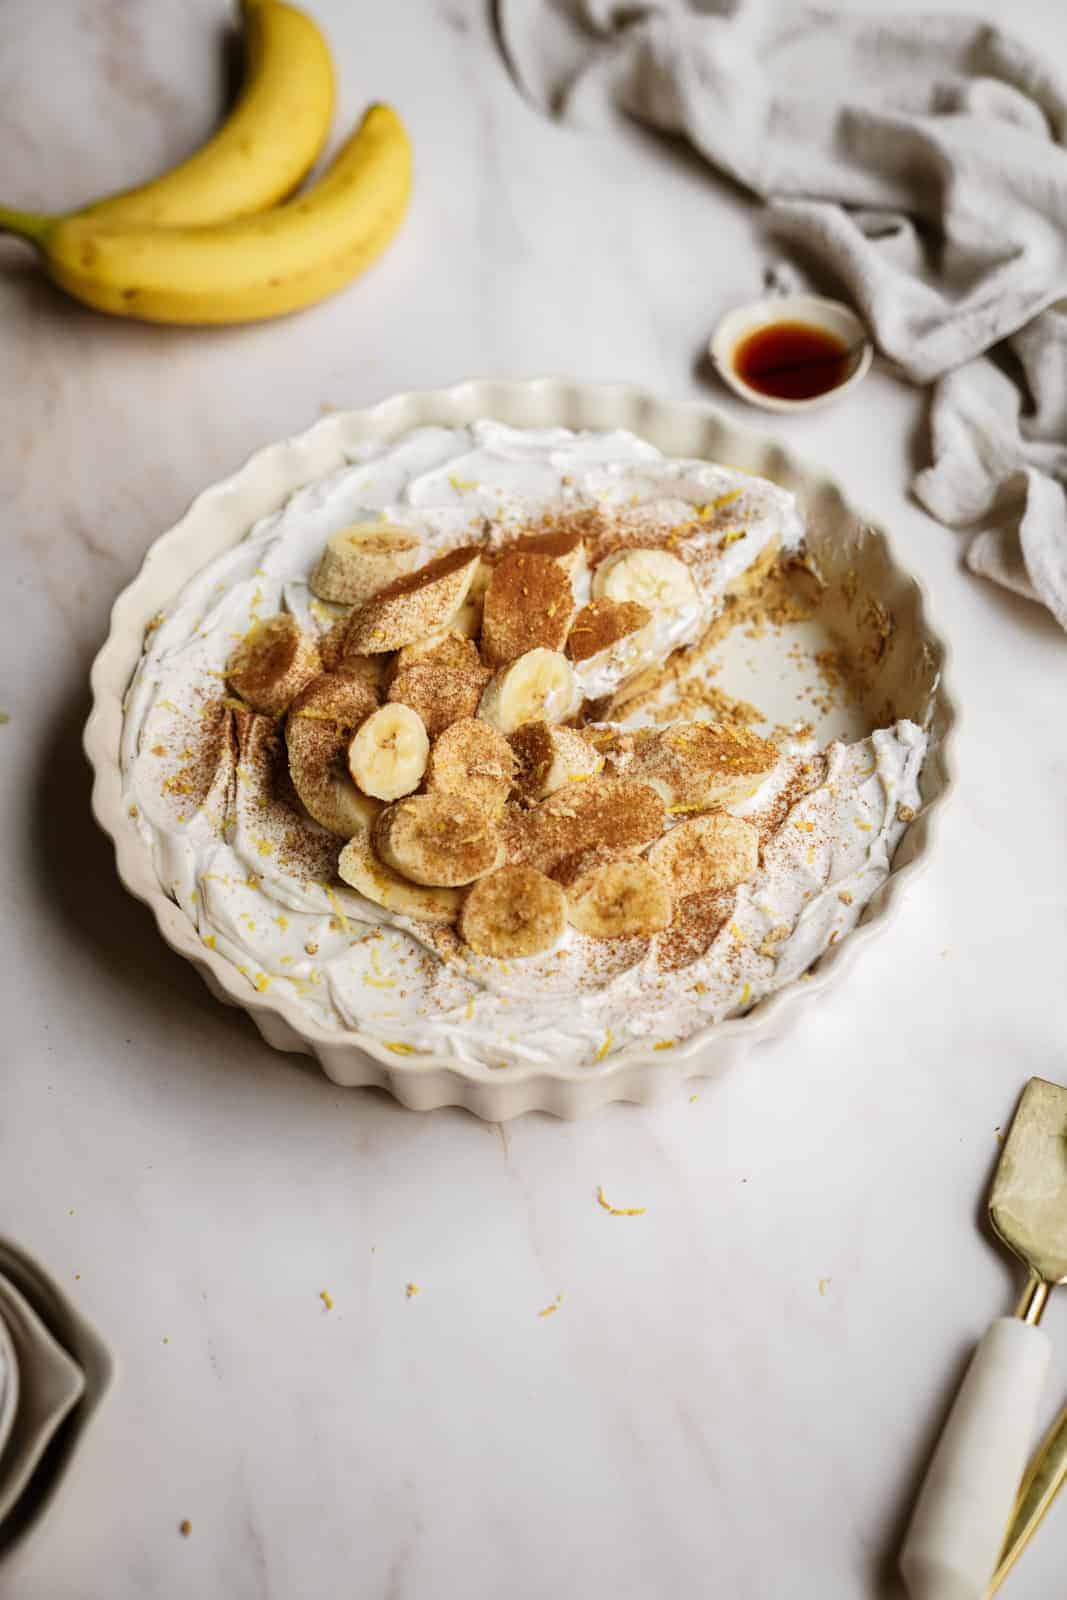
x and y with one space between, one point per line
385 754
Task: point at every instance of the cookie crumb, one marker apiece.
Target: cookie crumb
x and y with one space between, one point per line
185 1528
411 1290
327 1298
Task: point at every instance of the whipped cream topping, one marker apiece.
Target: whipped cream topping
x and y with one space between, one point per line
257 878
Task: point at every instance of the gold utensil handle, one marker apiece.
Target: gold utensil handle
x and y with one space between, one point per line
1042 1483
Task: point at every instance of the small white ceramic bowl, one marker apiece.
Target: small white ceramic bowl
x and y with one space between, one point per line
831 316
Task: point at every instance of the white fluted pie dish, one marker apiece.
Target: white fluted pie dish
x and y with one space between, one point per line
874 606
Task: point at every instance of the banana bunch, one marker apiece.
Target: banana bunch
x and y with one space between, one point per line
216 239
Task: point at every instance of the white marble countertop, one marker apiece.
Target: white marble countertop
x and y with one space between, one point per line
739 1387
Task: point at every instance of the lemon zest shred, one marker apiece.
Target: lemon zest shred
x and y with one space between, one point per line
335 907
617 1211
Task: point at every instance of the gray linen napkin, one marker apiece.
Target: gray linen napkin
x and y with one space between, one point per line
921 159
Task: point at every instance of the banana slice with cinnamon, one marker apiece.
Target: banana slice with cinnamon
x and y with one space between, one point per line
321 722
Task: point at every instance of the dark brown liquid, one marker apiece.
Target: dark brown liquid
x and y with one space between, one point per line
792 360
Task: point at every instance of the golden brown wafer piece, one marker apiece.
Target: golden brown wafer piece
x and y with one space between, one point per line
564 547
441 840
442 685
273 662
528 606
715 851
413 605
471 758
615 812
602 624
513 912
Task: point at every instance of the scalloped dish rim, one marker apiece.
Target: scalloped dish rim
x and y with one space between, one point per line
426 1081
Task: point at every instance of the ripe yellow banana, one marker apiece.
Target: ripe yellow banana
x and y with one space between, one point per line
267 145
249 268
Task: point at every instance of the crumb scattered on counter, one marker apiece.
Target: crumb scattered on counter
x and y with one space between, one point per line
327 1298
693 1098
411 1290
824 1284
548 1310
165 1339
618 1211
185 1528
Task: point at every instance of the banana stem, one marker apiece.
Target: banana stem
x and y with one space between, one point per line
27 224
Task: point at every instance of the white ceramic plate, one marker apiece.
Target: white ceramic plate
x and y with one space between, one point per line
50 1384
70 1332
853 555
9 1387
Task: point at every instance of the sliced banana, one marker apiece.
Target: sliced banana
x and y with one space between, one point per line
698 764
272 664
414 605
361 869
421 647
539 687
548 758
619 899
387 755
652 578
516 911
321 722
717 851
441 840
468 619
473 759
361 559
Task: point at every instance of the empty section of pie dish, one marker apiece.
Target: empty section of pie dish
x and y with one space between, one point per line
864 667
